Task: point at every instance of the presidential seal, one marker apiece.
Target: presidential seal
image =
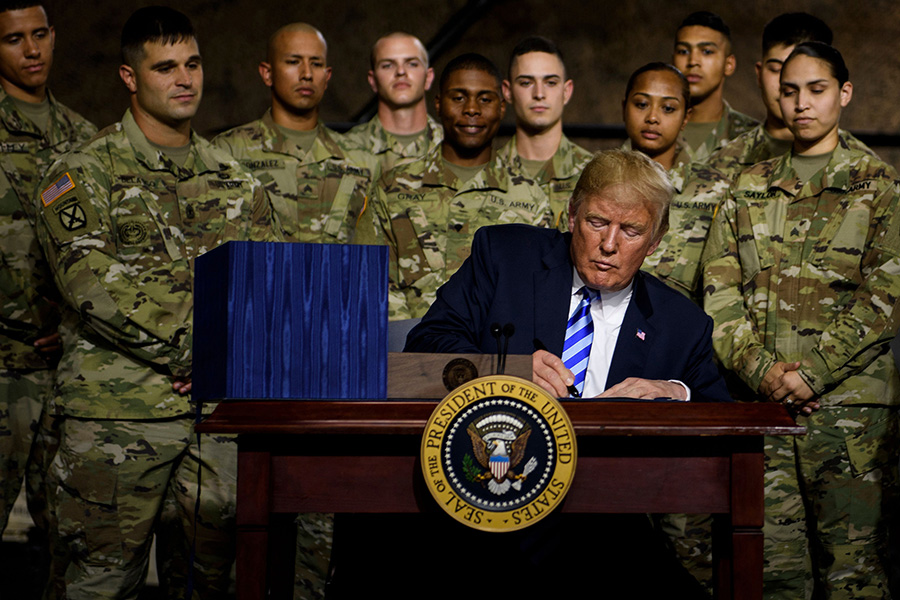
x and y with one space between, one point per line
498 453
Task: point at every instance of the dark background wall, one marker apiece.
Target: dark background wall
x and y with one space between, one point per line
603 43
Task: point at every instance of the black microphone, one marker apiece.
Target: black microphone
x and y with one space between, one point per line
508 330
495 331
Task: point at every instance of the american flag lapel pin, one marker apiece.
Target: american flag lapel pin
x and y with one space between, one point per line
641 335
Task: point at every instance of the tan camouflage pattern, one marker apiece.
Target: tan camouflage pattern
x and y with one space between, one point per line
698 191
121 246
429 217
679 163
317 196
315 540
25 282
557 177
848 471
750 148
811 273
22 395
27 296
118 482
382 151
731 125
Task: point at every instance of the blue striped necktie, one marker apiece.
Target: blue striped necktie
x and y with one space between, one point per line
579 335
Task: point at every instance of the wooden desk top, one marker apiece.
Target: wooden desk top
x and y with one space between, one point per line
408 417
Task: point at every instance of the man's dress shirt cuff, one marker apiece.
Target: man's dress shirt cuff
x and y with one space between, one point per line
687 390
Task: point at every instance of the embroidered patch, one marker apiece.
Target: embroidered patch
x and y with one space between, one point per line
72 217
58 188
132 233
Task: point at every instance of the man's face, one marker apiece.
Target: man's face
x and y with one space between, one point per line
297 71
768 76
470 108
655 112
168 82
612 233
26 50
538 90
401 75
704 56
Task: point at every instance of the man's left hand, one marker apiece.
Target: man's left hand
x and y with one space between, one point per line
635 387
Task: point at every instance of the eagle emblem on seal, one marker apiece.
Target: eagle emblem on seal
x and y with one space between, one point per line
498 442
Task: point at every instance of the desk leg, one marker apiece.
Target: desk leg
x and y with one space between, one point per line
747 510
252 524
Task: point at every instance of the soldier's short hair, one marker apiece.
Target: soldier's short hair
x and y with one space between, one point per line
794 28
535 43
710 20
471 61
293 28
825 52
646 177
661 66
400 34
158 24
6 5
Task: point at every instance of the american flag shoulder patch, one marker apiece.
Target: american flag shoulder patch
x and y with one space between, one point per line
58 188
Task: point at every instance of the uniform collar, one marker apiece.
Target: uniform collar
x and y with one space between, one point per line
324 148
838 174
494 175
200 161
15 122
561 166
383 141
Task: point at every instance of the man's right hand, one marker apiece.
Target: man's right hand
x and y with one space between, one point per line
549 372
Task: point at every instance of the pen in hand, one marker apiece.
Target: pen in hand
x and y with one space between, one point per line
573 391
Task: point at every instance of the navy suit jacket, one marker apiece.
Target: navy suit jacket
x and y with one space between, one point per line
522 275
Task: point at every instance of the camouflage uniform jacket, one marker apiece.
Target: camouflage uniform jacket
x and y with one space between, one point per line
429 217
25 282
698 192
752 147
731 125
679 162
382 151
557 178
317 196
811 273
121 232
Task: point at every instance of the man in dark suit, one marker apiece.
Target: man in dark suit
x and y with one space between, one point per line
650 342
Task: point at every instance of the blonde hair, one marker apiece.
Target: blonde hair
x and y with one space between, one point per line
646 177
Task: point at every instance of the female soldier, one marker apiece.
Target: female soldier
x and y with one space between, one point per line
655 110
802 276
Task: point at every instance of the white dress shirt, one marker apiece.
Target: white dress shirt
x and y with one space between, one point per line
607 313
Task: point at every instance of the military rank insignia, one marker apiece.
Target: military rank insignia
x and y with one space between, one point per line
498 453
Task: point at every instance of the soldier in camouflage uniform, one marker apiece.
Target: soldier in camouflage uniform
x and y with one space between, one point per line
29 318
121 221
756 146
318 190
319 193
402 131
698 192
655 110
429 210
772 137
802 276
703 53
538 91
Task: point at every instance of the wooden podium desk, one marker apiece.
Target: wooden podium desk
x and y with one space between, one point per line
633 457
